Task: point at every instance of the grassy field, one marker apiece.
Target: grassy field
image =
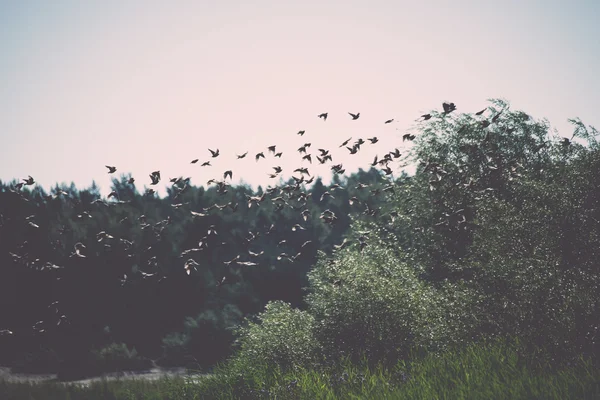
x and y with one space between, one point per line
477 372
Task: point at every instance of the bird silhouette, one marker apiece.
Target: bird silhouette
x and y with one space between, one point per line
345 142
259 155
301 133
214 153
324 116
242 155
194 161
495 118
448 107
354 116
155 177
389 121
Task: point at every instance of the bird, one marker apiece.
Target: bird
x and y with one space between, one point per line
324 116
214 153
155 177
111 170
194 161
301 133
131 180
78 247
497 116
259 155
272 149
253 254
389 121
298 226
481 112
426 117
228 173
448 107
345 142
408 136
189 265
326 194
206 164
240 156
373 140
302 171
342 245
354 116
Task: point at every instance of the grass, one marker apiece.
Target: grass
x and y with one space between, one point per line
492 371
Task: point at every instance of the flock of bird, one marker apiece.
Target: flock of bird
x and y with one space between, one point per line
294 196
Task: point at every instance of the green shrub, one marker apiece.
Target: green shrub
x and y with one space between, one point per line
282 337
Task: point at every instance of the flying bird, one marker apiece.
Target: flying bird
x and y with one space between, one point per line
242 155
448 107
111 170
345 142
214 153
389 121
354 116
324 116
189 265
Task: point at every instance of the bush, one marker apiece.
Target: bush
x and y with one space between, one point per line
372 303
282 337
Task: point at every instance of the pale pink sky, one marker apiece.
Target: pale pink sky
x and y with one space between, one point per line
152 85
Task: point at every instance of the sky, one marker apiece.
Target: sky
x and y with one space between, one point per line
151 85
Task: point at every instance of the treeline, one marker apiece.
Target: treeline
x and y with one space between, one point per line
128 288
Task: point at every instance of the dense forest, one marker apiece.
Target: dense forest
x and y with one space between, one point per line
496 234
